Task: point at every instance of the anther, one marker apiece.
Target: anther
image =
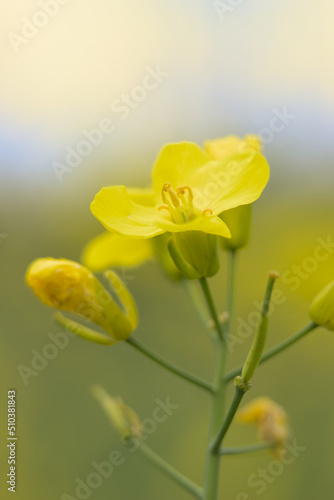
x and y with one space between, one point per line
164 207
173 198
207 212
182 190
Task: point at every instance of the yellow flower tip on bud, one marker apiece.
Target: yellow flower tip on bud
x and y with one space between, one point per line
64 284
122 417
322 308
224 317
223 147
270 419
273 275
68 286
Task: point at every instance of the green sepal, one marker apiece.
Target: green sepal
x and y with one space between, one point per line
187 270
119 325
124 296
83 331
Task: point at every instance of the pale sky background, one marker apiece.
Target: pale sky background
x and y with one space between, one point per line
225 76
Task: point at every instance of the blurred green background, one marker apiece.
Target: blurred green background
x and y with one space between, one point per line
230 70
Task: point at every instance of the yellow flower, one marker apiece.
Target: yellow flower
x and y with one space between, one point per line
190 191
270 419
68 286
231 144
237 219
113 250
322 307
122 417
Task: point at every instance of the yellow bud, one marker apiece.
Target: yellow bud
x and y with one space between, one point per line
230 145
270 419
65 285
68 286
122 417
322 308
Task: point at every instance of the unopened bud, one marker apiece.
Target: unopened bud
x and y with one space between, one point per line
322 308
122 417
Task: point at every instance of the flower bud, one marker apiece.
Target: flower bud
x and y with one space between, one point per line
160 244
195 254
238 220
322 307
270 419
68 286
122 417
223 147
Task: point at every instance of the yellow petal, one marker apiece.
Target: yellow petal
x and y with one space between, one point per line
176 164
205 223
236 180
113 250
230 145
142 196
113 207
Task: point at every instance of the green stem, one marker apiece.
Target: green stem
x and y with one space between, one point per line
199 305
169 471
230 288
211 307
242 450
211 479
238 395
218 405
276 350
169 366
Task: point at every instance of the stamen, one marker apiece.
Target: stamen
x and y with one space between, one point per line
173 198
182 190
164 207
207 212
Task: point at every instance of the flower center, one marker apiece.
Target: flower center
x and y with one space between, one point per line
179 203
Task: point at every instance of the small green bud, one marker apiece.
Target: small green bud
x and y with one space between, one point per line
122 417
238 220
195 254
322 308
160 244
260 336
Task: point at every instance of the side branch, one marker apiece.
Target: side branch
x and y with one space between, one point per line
202 384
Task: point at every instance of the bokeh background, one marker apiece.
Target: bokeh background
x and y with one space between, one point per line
229 67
